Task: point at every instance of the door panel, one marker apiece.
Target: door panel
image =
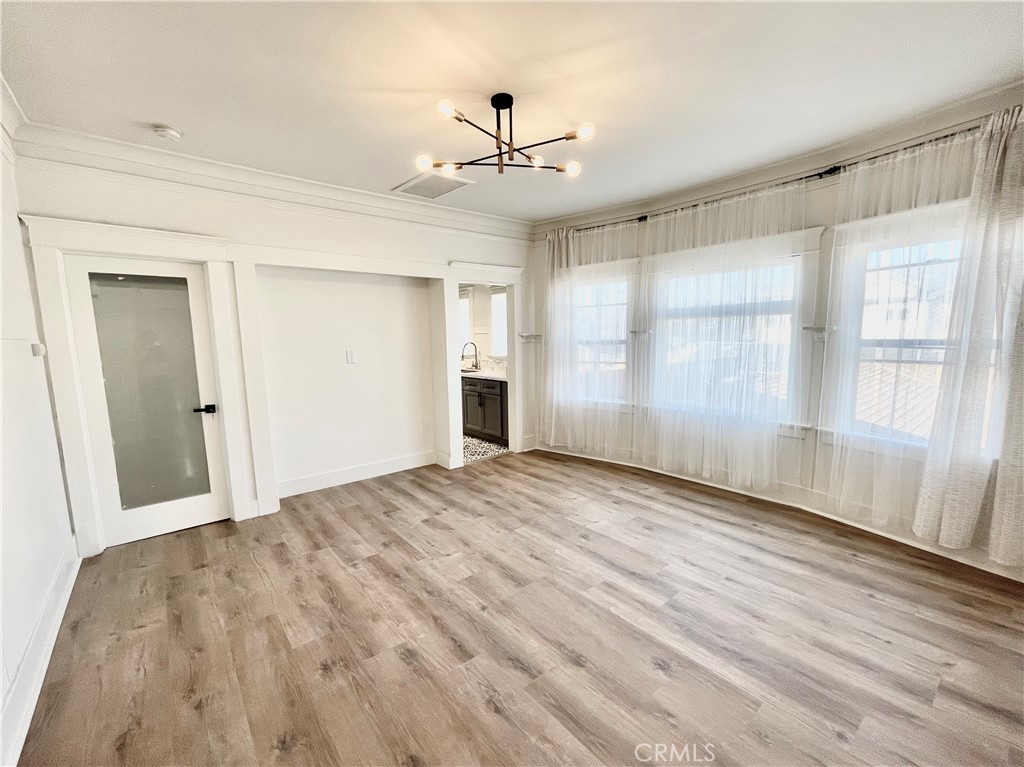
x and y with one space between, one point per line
471 412
491 415
143 340
144 328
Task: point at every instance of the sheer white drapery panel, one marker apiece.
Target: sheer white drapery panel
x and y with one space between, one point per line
591 303
722 285
973 482
897 250
674 342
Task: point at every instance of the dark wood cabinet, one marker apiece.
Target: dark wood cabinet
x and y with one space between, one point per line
485 409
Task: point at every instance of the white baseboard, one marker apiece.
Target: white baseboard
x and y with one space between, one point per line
354 474
251 510
20 702
445 460
529 442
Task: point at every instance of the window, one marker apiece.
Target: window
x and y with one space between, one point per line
725 340
904 324
499 324
600 333
466 319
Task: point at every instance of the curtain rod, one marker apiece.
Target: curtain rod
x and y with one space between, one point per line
825 172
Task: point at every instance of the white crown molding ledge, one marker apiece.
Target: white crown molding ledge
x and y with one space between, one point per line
51 148
12 116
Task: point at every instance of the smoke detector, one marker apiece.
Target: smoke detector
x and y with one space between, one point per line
167 133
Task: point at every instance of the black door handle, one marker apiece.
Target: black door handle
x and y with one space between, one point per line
205 409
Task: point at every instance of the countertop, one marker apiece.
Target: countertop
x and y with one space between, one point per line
490 376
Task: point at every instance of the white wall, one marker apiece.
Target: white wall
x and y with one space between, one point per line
39 560
265 219
334 422
381 415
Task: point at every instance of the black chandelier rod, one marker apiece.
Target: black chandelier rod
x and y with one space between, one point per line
496 154
495 137
478 164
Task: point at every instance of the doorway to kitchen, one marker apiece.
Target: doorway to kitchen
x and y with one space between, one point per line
483 363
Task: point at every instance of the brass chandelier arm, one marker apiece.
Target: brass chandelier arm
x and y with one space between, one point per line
504 142
543 143
478 164
495 137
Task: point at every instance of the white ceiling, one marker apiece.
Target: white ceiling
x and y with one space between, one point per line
344 93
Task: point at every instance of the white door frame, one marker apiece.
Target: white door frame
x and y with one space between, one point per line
241 380
53 242
121 525
450 438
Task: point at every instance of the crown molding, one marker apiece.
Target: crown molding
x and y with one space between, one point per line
11 119
47 231
12 116
889 138
44 146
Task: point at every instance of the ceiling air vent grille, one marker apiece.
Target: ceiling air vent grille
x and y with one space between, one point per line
431 185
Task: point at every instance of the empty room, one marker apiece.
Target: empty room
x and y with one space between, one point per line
448 384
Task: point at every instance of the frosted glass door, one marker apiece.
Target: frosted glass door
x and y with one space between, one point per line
144 330
146 363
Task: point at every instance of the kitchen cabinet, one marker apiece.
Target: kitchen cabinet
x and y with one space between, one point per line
485 409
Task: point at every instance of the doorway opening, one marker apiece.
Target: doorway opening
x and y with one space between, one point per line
483 367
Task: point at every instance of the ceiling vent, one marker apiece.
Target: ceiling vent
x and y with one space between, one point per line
431 185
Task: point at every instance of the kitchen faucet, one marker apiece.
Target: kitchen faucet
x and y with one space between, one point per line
476 355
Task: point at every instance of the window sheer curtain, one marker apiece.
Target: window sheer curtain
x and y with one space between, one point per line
722 284
588 365
973 480
673 343
897 245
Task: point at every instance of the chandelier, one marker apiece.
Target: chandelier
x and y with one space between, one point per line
507 150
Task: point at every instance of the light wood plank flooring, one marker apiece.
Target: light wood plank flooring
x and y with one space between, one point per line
531 610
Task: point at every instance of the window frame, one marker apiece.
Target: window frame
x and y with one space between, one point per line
631 277
502 328
798 365
466 296
843 421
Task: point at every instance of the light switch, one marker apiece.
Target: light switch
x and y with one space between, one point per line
350 358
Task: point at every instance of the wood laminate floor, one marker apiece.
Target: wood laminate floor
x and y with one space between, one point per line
531 610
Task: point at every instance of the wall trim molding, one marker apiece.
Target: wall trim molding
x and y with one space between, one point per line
12 114
299 485
27 683
56 241
46 148
114 239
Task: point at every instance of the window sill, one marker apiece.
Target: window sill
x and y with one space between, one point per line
792 430
871 443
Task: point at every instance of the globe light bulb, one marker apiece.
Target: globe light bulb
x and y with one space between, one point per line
586 131
536 161
448 169
424 163
573 168
446 108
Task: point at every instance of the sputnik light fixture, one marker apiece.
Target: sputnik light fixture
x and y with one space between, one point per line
507 150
